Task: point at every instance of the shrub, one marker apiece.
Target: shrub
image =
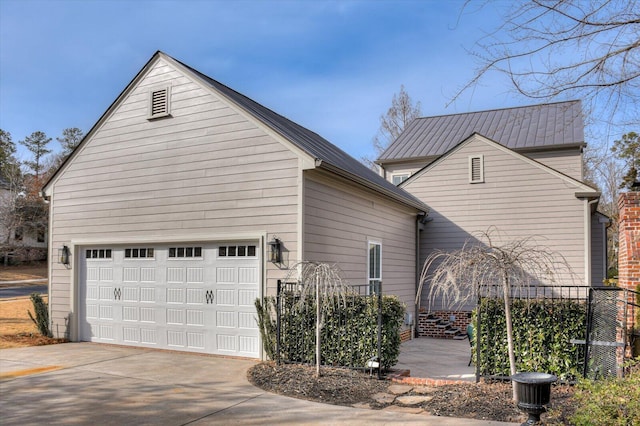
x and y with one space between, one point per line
609 402
41 319
542 330
349 333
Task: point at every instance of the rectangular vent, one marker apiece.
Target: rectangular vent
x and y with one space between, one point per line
476 169
159 103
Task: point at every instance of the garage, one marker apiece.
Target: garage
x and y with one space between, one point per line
196 297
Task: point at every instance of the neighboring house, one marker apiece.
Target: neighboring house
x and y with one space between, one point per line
17 243
161 218
518 170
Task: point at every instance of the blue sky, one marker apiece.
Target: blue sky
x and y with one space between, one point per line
331 66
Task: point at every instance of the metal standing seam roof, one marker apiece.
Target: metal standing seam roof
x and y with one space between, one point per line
310 142
521 128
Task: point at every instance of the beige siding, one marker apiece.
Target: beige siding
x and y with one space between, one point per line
339 220
410 167
568 161
205 171
519 199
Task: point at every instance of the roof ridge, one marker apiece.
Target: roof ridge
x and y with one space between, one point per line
500 109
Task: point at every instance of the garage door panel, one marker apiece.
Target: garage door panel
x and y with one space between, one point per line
152 297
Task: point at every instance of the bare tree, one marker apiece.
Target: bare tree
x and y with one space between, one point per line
401 112
323 283
583 49
458 277
71 138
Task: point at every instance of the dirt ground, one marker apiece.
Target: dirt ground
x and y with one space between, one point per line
16 328
23 272
484 401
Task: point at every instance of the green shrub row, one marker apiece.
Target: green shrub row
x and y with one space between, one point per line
349 332
542 331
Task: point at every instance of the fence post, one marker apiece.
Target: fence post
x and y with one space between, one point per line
585 367
379 284
278 318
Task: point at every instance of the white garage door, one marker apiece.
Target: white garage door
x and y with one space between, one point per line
191 297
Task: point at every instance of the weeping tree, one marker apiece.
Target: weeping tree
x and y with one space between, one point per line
323 283
458 277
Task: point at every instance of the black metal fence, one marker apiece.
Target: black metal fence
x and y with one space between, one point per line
341 344
548 324
566 330
610 331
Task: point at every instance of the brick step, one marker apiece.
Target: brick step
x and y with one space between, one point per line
453 331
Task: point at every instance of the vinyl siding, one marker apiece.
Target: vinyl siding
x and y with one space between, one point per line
517 198
340 219
565 161
206 170
568 161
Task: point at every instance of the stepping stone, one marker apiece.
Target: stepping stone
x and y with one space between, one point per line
399 389
423 390
383 398
413 399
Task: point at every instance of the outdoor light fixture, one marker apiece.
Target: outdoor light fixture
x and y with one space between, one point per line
63 255
275 250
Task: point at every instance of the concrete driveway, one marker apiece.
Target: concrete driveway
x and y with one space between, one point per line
86 383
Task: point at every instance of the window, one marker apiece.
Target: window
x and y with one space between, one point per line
237 251
138 253
98 254
374 265
159 102
476 169
185 252
17 235
398 179
40 237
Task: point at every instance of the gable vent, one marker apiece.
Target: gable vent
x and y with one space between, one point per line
159 103
476 169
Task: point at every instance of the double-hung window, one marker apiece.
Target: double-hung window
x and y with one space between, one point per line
374 265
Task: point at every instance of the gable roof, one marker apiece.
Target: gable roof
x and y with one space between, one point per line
582 189
325 154
528 128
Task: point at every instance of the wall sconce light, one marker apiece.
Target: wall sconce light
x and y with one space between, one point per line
63 255
275 250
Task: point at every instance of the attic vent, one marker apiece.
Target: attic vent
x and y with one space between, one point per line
159 103
476 169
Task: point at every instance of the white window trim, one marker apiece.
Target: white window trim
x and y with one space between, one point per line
369 278
400 175
165 113
480 158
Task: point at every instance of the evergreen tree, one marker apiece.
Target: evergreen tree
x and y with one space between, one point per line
36 143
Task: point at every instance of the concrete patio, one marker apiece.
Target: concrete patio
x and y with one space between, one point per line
443 359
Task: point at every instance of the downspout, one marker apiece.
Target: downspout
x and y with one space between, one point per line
421 219
587 240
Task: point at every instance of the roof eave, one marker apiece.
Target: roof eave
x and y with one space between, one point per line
421 207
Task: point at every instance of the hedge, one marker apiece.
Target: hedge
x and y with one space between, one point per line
348 335
542 330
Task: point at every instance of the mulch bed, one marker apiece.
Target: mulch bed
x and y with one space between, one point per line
484 401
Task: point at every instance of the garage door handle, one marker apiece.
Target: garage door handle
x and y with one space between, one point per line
117 293
209 296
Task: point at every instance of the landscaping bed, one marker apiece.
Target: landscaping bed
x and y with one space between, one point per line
484 401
